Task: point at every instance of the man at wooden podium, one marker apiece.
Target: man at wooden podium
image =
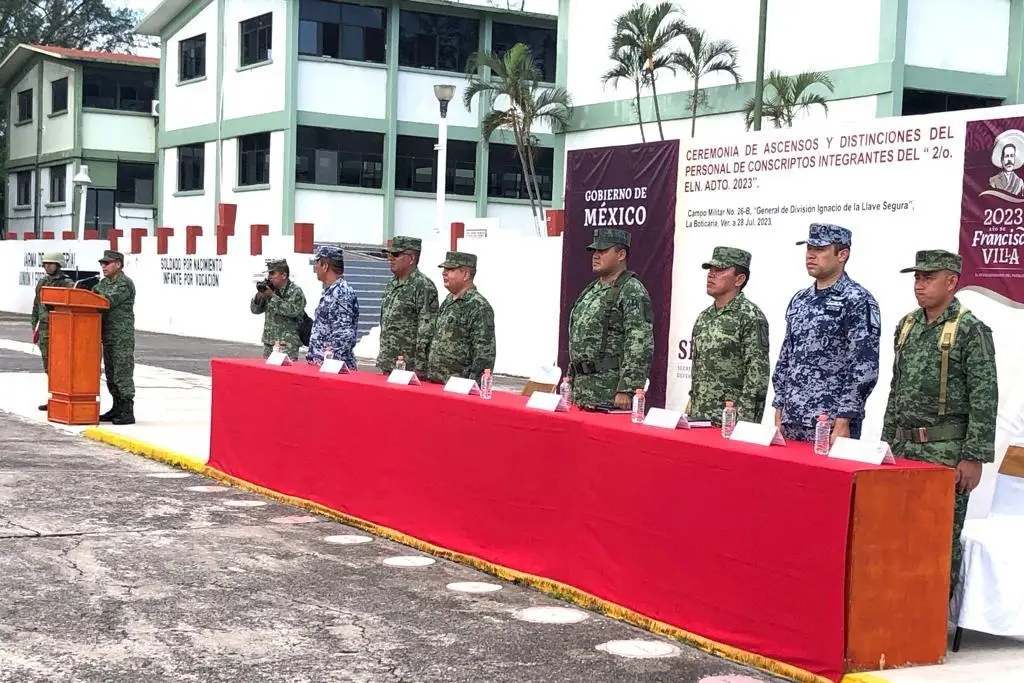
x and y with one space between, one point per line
53 264
118 338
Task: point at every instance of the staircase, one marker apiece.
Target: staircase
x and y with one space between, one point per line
368 274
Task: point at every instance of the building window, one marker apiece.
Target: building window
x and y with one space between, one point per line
134 183
191 167
254 159
25 106
58 179
24 194
59 95
342 30
339 157
416 166
929 102
505 172
437 41
542 42
256 33
99 211
192 58
119 89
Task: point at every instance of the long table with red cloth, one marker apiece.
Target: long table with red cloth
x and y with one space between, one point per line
743 545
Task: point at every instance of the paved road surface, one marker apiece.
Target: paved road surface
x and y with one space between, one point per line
113 574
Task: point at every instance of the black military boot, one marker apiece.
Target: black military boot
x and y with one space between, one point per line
112 413
127 414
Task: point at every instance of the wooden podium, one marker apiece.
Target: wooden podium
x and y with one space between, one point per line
75 352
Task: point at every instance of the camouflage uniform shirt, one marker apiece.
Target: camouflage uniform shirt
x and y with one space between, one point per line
119 319
335 323
463 344
283 313
829 358
40 314
407 313
628 342
730 361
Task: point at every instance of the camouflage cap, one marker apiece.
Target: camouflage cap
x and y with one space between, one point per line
931 260
402 243
111 255
824 234
54 257
725 257
330 253
459 259
606 238
277 265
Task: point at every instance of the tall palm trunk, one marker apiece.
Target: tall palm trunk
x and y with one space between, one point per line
693 105
657 107
536 183
639 112
526 168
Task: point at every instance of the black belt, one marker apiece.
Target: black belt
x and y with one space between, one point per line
951 432
589 367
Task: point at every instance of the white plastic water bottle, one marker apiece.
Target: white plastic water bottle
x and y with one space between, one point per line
486 384
822 432
638 406
566 392
728 419
278 347
400 363
328 352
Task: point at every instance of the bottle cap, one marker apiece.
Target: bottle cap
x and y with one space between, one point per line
823 417
487 371
639 392
728 404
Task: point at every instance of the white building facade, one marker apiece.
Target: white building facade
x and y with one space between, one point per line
323 112
884 58
69 108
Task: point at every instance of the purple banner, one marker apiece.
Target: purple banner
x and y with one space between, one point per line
632 187
992 211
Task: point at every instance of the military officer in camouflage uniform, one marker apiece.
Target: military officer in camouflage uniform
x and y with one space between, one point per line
463 343
407 309
730 344
336 320
611 329
283 304
118 338
944 395
829 359
53 263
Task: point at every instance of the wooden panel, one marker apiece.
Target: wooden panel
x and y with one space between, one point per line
898 568
1013 462
75 351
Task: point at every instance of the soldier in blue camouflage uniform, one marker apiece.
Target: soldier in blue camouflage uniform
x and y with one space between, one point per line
945 393
829 359
337 314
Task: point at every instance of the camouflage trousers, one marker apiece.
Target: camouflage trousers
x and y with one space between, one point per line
793 432
942 453
292 350
595 390
119 367
44 348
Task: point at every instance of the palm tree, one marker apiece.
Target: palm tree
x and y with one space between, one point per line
650 31
628 64
790 97
515 78
704 58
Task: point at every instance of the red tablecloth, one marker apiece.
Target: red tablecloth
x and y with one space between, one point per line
740 544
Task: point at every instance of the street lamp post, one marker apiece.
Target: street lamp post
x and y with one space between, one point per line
83 181
444 95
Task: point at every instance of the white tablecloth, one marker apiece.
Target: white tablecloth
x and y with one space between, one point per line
991 595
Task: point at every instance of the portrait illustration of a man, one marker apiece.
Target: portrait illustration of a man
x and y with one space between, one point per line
1008 155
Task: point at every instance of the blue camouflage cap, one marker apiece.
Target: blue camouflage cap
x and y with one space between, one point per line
824 234
328 252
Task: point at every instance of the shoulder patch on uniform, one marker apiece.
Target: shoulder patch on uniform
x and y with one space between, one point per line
985 342
647 309
762 332
874 317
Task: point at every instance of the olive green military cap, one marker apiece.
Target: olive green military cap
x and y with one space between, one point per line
932 260
459 259
111 255
606 238
277 265
402 243
54 257
727 257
